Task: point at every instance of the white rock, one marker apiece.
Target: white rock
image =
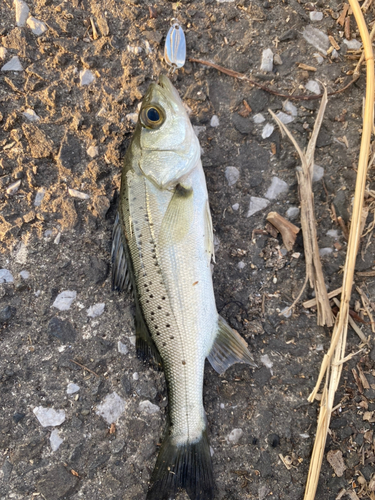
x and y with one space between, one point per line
214 121
198 129
318 173
333 233
93 151
64 300
30 115
265 359
55 440
6 276
20 254
267 130
277 187
96 310
148 48
316 38
236 206
256 205
133 340
304 436
112 408
286 312
241 264
86 77
353 44
234 436
132 117
225 1
72 388
284 118
258 118
323 252
39 197
292 213
78 194
148 407
3 52
334 54
277 61
134 49
232 174
319 58
267 60
13 188
135 375
290 108
25 275
13 65
316 16
313 86
22 11
122 348
36 26
48 416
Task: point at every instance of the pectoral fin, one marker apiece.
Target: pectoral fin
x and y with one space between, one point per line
178 217
120 270
208 234
229 348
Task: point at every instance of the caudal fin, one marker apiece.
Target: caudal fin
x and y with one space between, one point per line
187 466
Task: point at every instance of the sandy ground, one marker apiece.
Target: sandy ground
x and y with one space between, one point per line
66 117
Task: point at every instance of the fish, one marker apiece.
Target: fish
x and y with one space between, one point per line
162 250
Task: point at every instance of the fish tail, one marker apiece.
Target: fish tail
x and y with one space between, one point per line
187 466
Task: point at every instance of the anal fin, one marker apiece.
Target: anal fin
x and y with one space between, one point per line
145 346
229 348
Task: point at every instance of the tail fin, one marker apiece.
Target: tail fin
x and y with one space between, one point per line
187 466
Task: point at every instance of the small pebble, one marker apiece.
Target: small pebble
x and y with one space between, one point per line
55 440
93 151
86 77
148 407
214 121
256 204
333 233
13 65
284 118
334 54
64 300
318 173
36 26
319 58
39 197
20 254
78 194
323 252
112 408
13 188
267 130
232 175
30 115
277 61
135 376
286 312
313 86
72 388
241 264
316 16
22 11
133 49
122 348
265 359
290 108
292 213
96 310
353 44
258 118
267 60
236 206
3 52
316 38
6 276
48 416
25 275
277 187
234 436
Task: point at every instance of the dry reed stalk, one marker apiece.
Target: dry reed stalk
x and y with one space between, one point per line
332 361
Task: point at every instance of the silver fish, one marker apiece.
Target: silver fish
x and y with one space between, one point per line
162 249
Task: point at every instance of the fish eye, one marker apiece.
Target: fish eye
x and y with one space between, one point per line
152 117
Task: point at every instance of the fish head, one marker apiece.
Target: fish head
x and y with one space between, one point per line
169 148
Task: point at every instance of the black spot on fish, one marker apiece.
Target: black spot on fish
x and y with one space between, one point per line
184 362
163 298
151 296
167 314
168 325
152 313
171 337
164 344
159 307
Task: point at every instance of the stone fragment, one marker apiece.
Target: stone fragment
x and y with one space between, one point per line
319 58
122 348
242 124
236 206
199 129
323 252
234 436
267 362
25 275
284 118
70 152
267 61
62 330
313 86
64 300
112 408
72 388
277 187
316 38
20 253
22 11
40 145
290 108
292 213
36 26
86 77
256 205
6 276
13 188
316 16
148 407
96 310
353 44
258 118
232 175
48 417
6 313
214 121
336 461
277 61
57 484
267 130
13 65
333 233
78 194
30 115
55 440
39 197
93 151
318 173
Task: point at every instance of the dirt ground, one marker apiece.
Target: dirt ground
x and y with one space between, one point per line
261 426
